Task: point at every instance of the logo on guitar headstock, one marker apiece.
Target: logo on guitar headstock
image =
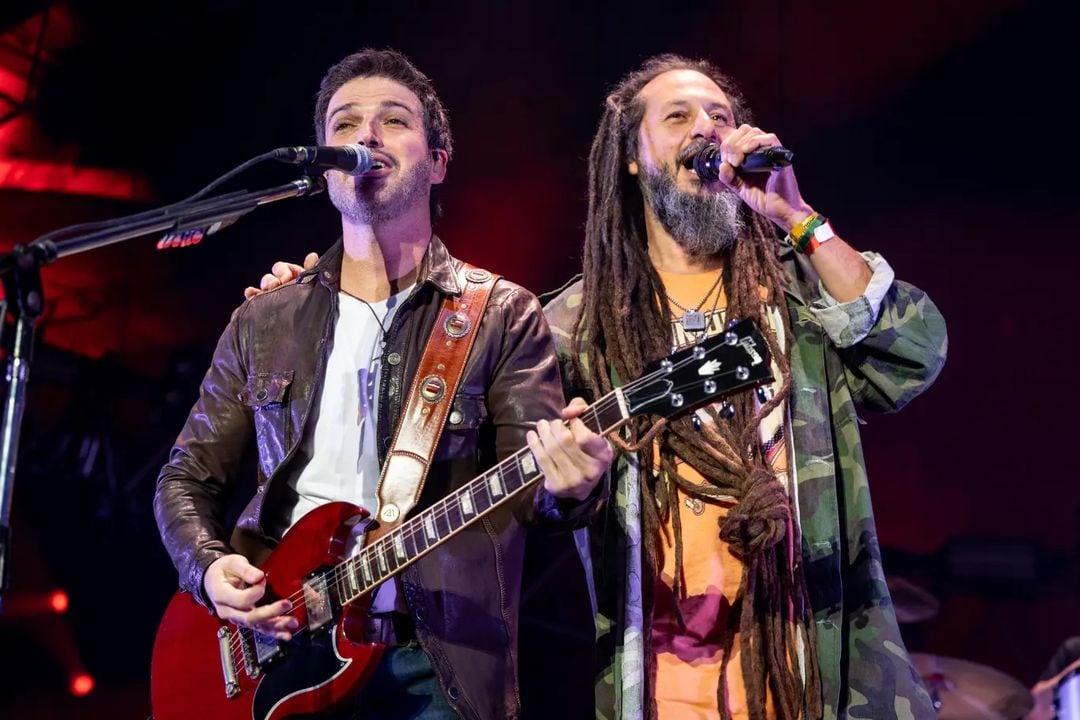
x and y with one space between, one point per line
710 368
748 344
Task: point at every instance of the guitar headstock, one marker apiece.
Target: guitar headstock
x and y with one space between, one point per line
720 365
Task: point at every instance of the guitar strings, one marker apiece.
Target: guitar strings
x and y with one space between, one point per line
441 509
438 511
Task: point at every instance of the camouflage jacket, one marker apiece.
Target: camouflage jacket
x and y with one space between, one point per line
875 353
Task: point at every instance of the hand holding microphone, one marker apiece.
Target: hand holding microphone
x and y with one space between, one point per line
747 167
706 161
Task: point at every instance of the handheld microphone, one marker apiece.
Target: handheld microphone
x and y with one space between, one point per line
350 159
706 162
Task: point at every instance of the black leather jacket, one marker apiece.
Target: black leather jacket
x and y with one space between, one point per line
265 379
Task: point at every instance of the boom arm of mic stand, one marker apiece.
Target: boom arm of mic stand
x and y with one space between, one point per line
20 272
197 214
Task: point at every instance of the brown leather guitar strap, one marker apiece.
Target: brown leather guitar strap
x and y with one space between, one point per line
430 398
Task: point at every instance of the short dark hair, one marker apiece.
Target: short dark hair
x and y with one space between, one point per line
392 65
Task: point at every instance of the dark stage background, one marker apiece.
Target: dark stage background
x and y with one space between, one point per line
939 133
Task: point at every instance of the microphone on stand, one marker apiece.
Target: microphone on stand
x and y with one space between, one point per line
706 161
350 159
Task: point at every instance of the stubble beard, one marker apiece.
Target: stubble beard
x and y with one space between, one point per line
702 224
372 201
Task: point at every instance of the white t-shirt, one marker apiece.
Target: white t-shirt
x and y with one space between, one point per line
344 462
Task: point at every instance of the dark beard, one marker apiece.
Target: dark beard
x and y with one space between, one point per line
702 225
358 201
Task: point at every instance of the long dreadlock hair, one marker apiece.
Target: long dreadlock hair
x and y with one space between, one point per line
622 324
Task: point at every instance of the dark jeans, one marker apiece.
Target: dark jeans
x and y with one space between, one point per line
403 687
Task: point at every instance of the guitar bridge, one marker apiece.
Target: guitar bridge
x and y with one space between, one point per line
228 664
247 649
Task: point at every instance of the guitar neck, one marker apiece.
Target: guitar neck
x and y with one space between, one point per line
421 534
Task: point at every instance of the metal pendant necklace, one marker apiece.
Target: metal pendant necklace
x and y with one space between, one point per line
694 320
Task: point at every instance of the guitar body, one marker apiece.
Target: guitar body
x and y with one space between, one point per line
319 670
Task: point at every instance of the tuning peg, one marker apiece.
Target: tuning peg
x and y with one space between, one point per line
764 394
742 372
731 338
696 422
727 410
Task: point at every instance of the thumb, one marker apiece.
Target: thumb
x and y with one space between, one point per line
238 566
728 176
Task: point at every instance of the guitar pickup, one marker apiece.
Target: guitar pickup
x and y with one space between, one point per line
318 602
268 651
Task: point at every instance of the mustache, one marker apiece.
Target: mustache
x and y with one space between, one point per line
691 150
384 158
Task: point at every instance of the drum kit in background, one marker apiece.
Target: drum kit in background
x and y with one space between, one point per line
964 690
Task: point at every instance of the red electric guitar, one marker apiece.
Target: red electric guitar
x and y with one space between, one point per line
203 668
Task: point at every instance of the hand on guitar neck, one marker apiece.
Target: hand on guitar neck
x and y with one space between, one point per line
572 457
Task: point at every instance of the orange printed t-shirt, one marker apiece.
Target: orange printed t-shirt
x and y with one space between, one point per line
688 660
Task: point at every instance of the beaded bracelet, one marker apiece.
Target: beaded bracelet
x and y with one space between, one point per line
801 236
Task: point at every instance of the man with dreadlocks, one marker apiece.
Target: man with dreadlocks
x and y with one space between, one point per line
737 568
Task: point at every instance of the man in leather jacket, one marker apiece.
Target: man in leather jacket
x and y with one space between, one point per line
304 373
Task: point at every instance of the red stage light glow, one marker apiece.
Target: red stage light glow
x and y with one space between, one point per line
82 685
58 601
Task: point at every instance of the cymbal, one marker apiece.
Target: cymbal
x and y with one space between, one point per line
963 690
911 602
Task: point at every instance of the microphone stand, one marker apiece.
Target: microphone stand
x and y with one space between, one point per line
24 299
